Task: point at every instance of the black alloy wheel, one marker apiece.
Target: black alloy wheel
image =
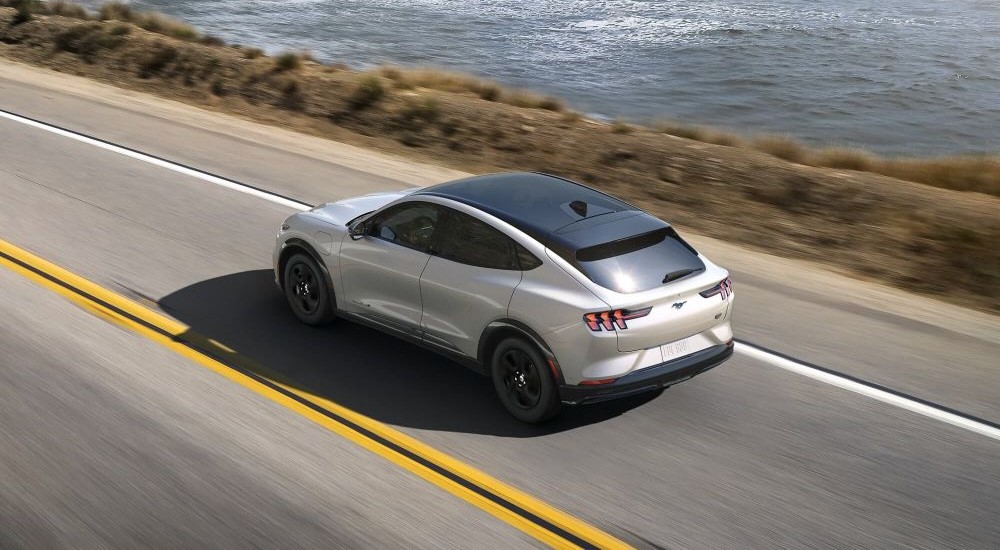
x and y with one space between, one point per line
520 379
307 291
523 382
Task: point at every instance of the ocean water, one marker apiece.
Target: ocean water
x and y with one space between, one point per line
895 76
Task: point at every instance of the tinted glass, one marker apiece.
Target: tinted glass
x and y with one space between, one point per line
527 260
639 263
470 241
411 225
534 203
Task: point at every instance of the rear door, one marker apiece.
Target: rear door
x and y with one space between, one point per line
656 278
468 283
676 312
380 272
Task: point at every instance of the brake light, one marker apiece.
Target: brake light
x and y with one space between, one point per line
724 288
614 319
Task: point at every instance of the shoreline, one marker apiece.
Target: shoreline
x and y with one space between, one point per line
917 237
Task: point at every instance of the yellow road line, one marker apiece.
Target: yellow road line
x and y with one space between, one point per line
532 516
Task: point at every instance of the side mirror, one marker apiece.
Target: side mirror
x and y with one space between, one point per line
358 230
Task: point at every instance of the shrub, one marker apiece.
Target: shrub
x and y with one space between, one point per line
368 92
427 110
210 40
782 147
219 87
292 97
620 127
115 10
157 60
571 116
23 15
252 53
489 92
161 24
521 98
550 103
66 9
120 30
287 61
85 40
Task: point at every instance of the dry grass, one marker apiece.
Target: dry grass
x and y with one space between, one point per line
935 241
531 100
115 10
782 147
979 173
698 133
842 158
571 117
448 81
66 9
620 127
963 173
151 21
672 128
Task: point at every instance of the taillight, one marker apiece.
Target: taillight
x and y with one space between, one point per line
614 319
724 288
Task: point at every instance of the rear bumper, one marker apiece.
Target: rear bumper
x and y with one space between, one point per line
649 378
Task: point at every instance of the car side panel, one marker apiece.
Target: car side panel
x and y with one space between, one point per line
553 303
460 300
381 282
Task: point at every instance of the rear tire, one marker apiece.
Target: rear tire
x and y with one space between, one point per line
523 382
307 291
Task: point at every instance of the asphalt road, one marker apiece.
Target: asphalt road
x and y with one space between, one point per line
115 441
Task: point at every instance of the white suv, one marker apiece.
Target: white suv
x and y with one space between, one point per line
560 293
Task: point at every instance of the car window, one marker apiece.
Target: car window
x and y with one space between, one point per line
410 224
527 260
473 242
639 262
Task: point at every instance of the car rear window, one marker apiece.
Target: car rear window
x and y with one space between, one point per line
640 262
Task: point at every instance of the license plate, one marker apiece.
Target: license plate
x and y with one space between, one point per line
680 348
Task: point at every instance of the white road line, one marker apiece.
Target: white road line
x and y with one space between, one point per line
204 176
741 348
875 393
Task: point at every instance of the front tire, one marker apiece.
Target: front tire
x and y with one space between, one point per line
307 291
523 383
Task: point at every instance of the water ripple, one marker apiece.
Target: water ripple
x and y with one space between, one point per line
898 76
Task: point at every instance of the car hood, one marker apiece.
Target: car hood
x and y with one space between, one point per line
343 211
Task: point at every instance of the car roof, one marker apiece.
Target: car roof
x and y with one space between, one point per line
548 208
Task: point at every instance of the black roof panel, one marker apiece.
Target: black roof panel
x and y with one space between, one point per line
537 204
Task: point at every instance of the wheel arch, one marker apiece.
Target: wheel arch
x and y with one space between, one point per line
498 330
296 245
